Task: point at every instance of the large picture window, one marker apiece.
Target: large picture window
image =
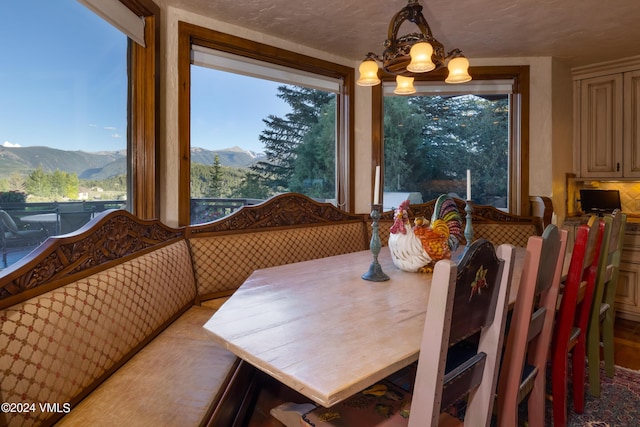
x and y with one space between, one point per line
431 138
258 121
243 151
76 104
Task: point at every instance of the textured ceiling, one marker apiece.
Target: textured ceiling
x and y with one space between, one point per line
579 31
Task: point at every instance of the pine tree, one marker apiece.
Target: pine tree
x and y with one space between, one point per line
282 137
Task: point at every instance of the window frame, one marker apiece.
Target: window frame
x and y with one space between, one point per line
143 111
518 129
190 34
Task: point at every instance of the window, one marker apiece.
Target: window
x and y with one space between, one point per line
242 151
71 114
257 121
431 138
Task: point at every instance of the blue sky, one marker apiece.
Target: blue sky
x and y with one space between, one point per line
68 90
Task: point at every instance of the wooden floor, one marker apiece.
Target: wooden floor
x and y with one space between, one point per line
627 344
627 355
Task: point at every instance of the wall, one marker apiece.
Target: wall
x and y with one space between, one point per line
548 118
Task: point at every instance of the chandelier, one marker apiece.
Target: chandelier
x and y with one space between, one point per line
412 54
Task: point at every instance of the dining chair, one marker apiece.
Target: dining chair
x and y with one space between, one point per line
465 299
524 364
602 318
572 321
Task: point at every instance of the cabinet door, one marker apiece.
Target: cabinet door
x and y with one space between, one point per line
627 303
632 124
601 126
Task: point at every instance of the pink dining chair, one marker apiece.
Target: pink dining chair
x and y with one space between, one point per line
572 320
523 369
465 299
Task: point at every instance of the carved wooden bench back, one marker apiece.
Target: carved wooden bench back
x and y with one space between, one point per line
84 304
488 223
285 229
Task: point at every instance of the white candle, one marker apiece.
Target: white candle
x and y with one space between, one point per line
468 184
376 187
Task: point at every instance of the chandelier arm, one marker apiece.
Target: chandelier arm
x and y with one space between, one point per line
373 56
454 54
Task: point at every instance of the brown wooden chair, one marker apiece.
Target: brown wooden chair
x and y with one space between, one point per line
602 317
523 369
465 299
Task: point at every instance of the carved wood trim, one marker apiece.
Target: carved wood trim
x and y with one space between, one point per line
287 209
109 238
482 214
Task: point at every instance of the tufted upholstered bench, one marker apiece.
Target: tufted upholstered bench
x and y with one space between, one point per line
288 228
105 325
488 223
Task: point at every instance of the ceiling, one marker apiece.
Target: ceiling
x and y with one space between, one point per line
579 32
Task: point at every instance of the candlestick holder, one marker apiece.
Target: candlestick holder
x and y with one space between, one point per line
468 228
375 273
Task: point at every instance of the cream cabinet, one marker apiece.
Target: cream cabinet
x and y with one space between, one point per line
607 120
631 136
628 290
627 298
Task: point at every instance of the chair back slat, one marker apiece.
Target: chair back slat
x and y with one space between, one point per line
602 315
464 298
475 303
531 328
573 318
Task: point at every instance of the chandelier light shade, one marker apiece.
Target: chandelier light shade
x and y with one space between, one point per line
412 54
404 85
458 70
421 58
368 73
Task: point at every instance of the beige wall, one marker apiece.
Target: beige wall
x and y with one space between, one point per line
549 128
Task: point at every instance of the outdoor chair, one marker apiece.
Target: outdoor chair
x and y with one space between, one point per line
71 221
12 237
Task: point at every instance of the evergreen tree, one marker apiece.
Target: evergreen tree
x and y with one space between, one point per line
283 136
215 181
250 187
402 141
456 133
314 168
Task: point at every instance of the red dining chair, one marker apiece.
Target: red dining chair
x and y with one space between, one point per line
523 369
602 311
572 320
464 299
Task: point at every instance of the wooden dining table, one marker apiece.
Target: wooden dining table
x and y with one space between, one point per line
321 329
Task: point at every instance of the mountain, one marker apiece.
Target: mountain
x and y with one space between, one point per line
103 164
233 157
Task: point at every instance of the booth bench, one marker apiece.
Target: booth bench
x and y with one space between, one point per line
104 326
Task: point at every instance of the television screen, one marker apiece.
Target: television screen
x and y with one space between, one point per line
599 201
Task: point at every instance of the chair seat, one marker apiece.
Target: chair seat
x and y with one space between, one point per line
24 237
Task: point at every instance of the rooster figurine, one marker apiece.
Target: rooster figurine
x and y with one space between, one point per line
417 248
